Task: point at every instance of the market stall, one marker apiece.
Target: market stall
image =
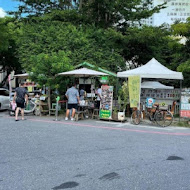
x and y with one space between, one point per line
41 100
154 70
160 92
86 75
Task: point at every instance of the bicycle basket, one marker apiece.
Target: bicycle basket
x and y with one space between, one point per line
163 107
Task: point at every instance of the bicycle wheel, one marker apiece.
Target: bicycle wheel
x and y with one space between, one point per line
136 117
164 118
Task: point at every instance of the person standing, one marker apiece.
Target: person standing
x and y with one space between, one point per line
72 95
20 97
99 93
82 93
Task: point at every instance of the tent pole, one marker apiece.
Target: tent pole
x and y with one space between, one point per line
117 83
180 101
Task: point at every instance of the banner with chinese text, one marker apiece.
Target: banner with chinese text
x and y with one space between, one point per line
134 83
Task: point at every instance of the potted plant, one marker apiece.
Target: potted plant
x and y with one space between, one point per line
115 113
123 100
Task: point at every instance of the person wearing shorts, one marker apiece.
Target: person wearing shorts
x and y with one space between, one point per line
72 95
20 96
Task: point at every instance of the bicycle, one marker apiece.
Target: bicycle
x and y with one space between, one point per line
158 114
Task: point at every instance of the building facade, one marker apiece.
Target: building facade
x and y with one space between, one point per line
177 10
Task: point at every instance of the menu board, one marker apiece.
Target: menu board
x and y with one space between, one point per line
185 103
166 94
106 102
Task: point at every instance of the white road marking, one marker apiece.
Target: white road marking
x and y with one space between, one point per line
131 125
108 122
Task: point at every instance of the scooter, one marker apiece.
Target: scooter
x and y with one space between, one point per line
31 107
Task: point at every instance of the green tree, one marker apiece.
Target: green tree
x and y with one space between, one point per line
118 13
86 43
182 64
102 13
46 66
139 45
8 53
40 7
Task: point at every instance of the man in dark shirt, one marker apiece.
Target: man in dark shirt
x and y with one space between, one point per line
20 96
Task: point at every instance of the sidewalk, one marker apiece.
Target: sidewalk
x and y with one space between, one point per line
61 117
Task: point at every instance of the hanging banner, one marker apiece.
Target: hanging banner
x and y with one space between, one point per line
134 83
185 103
106 102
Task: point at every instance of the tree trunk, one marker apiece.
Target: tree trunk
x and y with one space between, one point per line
5 79
49 98
80 4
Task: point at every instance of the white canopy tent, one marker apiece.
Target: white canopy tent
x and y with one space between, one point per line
83 72
153 69
154 85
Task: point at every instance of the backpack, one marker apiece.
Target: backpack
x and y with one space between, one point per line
20 100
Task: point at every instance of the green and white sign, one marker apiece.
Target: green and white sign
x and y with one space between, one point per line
104 80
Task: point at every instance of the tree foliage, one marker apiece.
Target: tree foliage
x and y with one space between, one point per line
118 13
102 13
183 64
8 53
84 43
46 66
99 32
40 7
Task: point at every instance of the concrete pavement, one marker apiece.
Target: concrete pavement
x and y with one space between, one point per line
40 154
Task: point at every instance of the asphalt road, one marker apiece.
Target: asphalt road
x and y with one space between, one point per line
41 154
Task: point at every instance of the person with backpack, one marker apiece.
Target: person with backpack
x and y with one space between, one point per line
20 97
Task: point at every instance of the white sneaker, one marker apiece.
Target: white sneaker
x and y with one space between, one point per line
66 118
72 119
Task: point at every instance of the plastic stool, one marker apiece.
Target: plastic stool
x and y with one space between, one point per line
95 113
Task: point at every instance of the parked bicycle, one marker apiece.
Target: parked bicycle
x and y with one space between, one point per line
159 114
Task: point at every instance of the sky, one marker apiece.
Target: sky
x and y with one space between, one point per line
7 5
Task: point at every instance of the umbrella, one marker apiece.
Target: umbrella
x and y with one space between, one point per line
25 75
83 72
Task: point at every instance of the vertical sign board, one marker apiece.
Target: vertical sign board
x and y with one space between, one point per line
106 102
185 103
134 83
